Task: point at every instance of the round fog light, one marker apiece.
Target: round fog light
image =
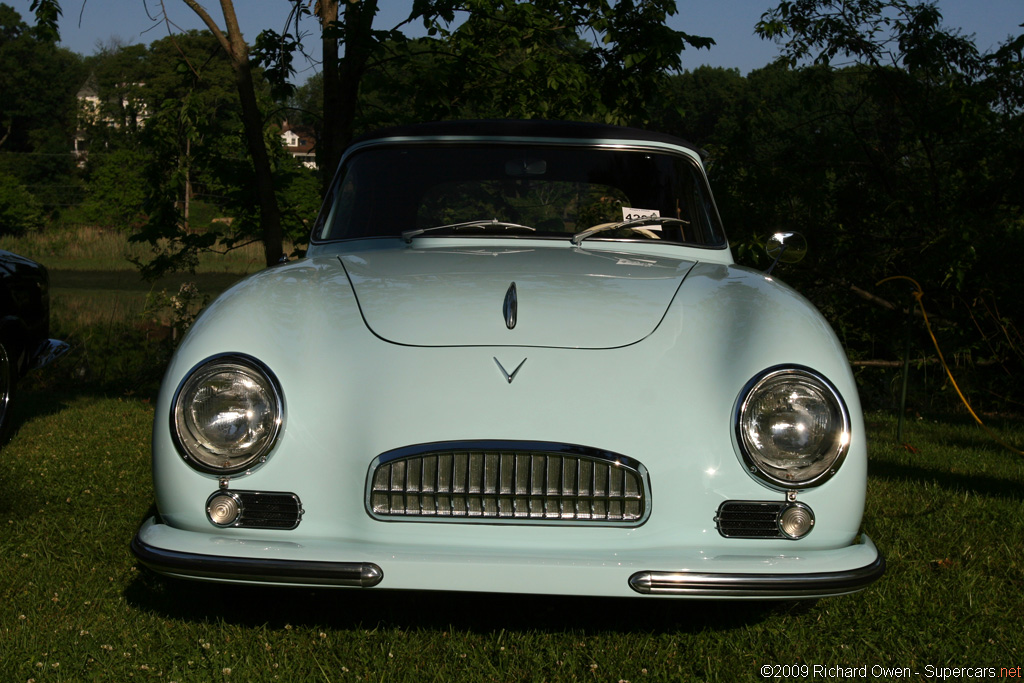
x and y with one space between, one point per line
223 509
796 521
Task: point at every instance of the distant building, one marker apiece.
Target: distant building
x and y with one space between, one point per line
91 113
88 115
300 143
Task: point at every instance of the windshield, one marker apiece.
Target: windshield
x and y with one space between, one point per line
537 191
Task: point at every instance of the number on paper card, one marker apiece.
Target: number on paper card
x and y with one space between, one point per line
630 214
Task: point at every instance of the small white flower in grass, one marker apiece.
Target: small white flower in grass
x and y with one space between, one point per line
226 671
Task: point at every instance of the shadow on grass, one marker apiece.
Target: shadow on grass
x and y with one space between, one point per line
19 495
130 280
981 485
30 402
120 362
480 613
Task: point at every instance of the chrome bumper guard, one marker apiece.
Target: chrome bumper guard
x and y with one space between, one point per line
48 351
195 565
758 585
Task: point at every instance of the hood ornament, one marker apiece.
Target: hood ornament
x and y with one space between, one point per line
504 372
510 308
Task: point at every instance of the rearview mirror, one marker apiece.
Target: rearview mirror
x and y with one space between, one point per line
518 168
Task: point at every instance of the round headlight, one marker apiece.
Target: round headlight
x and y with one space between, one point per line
792 427
227 414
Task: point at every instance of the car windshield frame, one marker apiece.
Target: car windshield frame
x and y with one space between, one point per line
664 180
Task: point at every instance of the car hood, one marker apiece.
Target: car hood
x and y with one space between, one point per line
565 298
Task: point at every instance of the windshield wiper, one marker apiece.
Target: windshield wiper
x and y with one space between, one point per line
635 223
493 223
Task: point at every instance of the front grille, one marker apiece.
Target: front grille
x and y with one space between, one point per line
268 510
519 482
749 519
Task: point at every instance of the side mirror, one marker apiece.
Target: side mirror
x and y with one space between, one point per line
787 247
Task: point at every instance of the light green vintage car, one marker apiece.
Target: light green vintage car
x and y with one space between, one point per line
518 357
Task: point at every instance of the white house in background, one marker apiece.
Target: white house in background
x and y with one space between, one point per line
300 143
90 112
88 115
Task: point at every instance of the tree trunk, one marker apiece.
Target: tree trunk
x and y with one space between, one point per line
342 77
252 121
234 46
328 147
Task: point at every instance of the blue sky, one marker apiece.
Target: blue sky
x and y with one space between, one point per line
86 23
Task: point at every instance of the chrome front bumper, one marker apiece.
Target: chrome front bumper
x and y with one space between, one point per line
758 585
247 559
256 570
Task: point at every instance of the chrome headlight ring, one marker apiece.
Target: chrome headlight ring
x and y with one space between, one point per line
226 414
792 427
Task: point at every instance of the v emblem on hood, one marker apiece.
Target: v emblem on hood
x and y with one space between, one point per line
504 372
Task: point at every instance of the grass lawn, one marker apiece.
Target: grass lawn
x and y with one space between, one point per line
75 484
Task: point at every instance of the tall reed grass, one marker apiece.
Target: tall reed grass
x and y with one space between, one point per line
87 247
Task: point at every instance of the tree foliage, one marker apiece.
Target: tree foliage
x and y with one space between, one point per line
885 136
582 59
37 123
555 59
905 160
19 210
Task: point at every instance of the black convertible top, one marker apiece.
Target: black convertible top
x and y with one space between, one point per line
529 128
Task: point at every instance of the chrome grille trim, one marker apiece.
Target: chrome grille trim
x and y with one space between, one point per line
511 482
